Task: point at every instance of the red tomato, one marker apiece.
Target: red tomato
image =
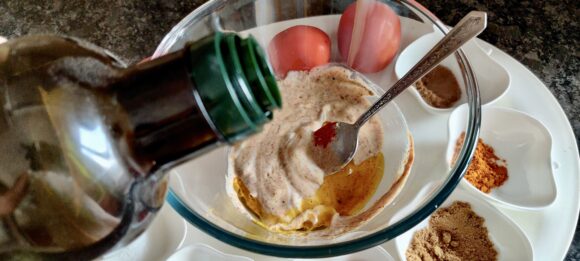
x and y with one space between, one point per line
380 41
299 48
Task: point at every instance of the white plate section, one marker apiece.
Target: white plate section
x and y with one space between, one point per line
203 252
525 145
508 239
165 235
492 78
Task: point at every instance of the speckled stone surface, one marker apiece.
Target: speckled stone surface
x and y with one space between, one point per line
543 35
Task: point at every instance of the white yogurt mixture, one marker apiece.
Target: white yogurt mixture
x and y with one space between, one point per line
281 167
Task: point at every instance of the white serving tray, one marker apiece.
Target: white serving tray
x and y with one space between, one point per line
550 229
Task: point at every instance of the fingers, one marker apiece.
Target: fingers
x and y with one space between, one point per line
11 198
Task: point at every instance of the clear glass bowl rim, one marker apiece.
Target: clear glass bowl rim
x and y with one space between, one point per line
368 241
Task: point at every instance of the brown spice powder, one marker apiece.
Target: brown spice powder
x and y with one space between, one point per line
486 170
439 88
454 233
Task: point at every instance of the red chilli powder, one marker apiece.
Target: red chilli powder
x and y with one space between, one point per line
325 135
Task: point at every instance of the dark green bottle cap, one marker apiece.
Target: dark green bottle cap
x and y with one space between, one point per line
235 83
248 97
253 57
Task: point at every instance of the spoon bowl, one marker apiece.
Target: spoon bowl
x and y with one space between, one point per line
344 143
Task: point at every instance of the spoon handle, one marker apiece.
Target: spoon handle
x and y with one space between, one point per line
469 27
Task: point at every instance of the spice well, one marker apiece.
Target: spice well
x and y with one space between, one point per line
492 78
504 233
523 145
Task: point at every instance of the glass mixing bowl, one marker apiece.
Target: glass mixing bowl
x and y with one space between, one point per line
198 188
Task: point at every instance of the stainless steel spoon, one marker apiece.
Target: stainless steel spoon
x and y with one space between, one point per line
345 142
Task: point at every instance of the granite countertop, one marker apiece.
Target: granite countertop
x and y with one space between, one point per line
542 34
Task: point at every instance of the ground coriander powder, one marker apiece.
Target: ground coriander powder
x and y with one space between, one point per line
454 233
